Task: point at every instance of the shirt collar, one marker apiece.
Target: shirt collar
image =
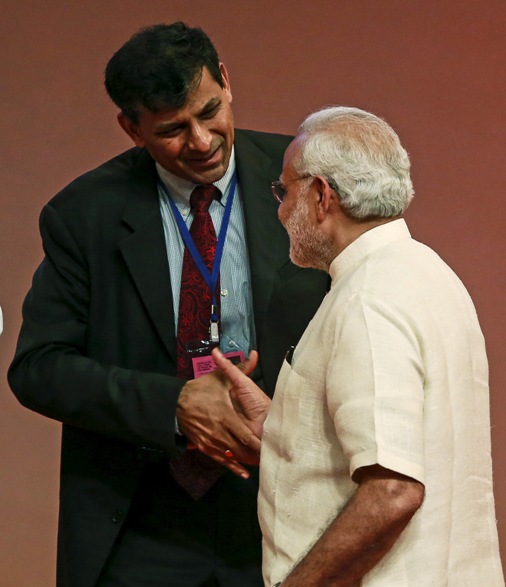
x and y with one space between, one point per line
180 189
366 244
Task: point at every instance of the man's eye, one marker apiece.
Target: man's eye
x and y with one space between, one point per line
210 113
169 132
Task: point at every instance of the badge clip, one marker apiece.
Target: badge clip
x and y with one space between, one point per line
214 331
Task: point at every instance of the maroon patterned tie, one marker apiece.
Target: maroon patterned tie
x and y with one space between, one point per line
194 471
195 298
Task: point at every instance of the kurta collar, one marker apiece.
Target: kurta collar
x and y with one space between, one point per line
366 244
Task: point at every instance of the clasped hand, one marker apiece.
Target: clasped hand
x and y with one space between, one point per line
222 414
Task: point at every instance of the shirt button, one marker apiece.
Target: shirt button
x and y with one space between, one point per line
232 343
224 292
184 212
118 516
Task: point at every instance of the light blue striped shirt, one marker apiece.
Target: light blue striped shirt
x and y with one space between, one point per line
238 330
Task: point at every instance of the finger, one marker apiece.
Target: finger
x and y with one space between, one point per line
236 468
241 456
235 375
243 445
253 443
228 462
246 438
243 436
233 435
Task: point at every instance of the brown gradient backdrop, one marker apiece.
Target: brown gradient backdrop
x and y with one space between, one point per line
433 68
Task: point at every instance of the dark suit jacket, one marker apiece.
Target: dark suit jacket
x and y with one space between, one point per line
97 345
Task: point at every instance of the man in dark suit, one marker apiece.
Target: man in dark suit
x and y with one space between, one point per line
97 348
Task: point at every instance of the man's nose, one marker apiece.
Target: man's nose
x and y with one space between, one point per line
199 138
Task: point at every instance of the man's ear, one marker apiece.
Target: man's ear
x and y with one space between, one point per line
226 82
326 197
131 129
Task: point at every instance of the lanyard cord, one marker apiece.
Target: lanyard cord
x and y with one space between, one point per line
210 277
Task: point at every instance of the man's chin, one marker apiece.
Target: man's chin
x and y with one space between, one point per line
305 262
203 174
208 171
299 260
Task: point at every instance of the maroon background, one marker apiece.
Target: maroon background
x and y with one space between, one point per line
433 68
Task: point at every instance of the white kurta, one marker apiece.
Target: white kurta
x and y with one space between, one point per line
392 370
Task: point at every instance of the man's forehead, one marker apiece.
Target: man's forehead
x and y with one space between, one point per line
204 87
204 93
291 152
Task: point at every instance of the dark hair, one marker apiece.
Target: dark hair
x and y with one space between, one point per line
158 67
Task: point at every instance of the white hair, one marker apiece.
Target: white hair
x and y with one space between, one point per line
361 157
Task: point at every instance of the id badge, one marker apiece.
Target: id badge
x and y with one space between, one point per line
205 364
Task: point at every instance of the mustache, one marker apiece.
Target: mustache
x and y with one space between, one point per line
199 156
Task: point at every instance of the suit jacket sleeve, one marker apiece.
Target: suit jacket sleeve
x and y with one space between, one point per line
73 363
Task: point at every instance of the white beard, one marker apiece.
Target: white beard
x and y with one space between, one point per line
308 247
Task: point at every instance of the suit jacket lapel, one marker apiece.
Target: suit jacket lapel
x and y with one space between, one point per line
266 238
152 279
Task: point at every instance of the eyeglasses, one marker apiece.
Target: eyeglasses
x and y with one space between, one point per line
279 188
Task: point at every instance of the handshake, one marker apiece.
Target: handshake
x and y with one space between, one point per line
222 413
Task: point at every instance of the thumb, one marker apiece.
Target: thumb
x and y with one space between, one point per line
249 364
236 374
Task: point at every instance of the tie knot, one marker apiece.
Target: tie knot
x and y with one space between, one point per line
202 196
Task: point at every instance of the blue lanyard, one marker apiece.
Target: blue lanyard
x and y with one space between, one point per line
210 277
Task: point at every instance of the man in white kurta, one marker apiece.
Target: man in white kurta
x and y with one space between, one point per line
391 370
375 466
